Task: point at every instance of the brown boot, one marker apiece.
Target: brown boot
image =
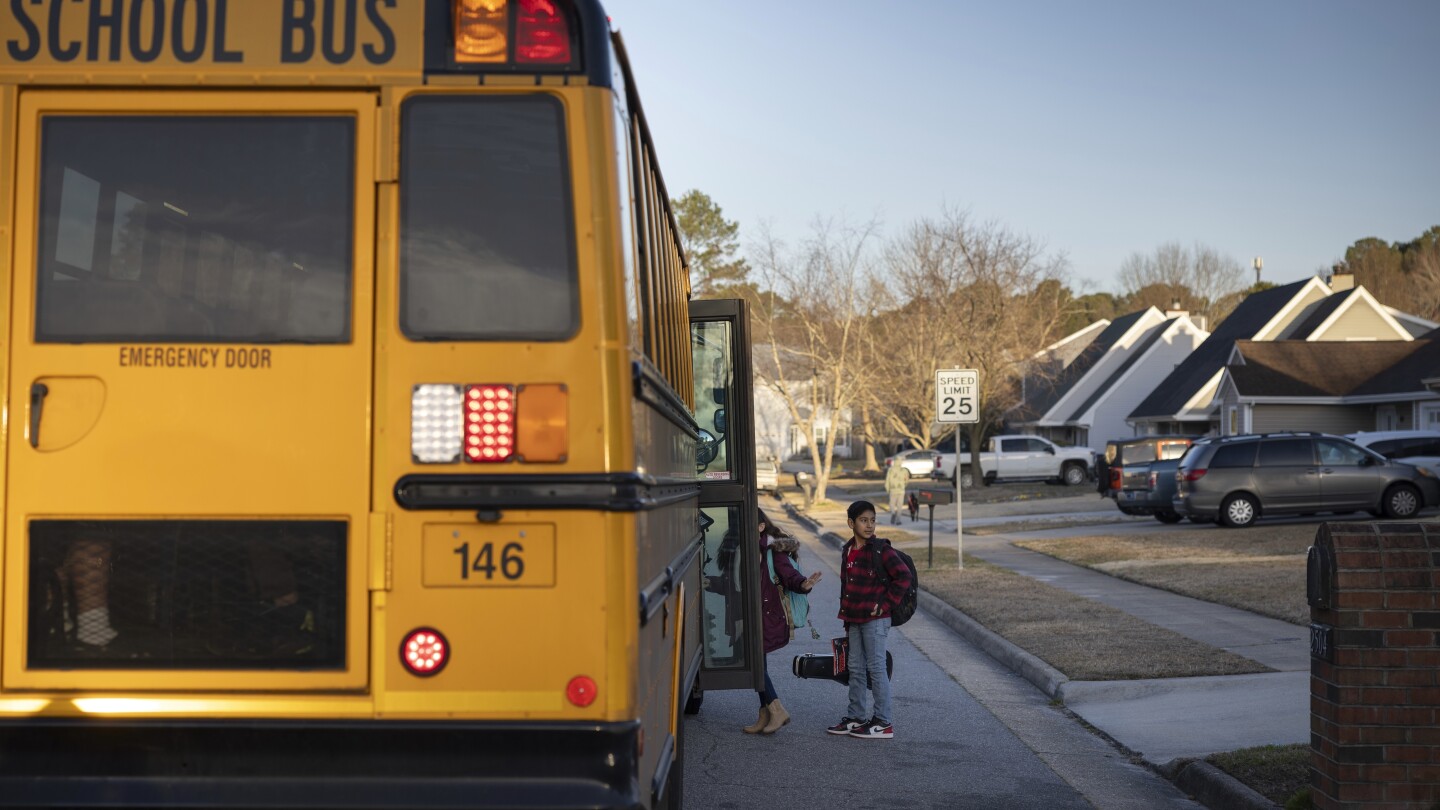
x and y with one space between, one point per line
758 725
778 717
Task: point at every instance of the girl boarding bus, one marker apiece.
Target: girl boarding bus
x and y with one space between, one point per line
363 447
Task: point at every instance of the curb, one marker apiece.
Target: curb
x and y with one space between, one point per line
1209 785
1213 787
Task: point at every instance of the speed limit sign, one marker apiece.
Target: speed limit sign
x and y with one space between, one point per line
956 393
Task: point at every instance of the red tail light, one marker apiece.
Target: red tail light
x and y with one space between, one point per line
542 34
424 652
581 691
489 423
1154 479
1115 473
1192 475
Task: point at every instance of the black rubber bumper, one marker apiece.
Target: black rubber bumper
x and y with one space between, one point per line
274 764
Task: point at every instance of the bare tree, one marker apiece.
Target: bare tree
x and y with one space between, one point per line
1423 263
976 295
808 327
1201 279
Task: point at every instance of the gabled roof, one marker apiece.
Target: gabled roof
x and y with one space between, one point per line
1048 393
1321 314
1135 354
1300 368
1249 319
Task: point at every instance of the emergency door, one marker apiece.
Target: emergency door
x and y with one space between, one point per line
189 391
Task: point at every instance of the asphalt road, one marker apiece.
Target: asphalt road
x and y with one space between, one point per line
968 734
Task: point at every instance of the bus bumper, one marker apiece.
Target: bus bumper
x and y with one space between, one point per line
325 764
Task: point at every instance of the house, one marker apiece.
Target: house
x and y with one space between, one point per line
1185 400
1332 387
775 428
1087 399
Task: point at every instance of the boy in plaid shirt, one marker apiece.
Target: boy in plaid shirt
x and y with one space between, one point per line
873 581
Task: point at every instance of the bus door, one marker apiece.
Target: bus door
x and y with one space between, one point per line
731 641
190 391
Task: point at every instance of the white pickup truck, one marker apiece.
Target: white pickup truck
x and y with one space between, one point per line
1012 458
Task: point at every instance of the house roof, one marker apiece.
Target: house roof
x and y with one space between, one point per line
1324 310
1300 368
1406 375
1135 355
1048 393
1248 319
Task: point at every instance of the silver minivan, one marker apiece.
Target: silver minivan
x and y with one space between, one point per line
1238 479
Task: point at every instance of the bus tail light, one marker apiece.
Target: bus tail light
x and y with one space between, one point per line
542 34
437 425
582 690
489 423
424 652
480 30
542 422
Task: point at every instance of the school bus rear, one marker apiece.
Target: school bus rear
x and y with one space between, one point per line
322 485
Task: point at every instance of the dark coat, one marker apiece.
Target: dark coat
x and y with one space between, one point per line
777 630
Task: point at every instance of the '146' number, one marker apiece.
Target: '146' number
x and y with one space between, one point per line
512 566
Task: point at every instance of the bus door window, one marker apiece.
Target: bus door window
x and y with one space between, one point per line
724 634
713 381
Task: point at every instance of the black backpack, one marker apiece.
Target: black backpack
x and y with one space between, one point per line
911 599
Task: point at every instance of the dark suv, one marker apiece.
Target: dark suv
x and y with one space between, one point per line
1237 479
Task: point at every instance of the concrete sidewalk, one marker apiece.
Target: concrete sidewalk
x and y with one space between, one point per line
1165 721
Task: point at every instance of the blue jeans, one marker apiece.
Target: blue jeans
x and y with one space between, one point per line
768 696
866 663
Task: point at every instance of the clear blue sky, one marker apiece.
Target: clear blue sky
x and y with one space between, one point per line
1285 129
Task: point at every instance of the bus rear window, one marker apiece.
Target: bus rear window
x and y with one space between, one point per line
487 250
205 229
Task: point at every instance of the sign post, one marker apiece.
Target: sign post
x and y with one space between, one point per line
957 394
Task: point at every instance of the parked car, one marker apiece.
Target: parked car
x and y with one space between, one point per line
767 471
1015 458
1150 490
917 463
1133 456
1418 447
1239 479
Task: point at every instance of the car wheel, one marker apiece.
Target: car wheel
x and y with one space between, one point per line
1239 511
1073 475
1168 517
1401 501
966 480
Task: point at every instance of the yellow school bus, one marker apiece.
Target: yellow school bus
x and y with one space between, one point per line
362 445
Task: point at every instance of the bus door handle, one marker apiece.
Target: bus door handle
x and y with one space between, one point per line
37 406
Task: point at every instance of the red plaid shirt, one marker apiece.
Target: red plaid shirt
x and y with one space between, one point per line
863 585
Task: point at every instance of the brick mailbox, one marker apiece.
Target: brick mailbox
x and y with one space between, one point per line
1374 593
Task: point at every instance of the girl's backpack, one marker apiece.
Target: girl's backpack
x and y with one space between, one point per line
795 605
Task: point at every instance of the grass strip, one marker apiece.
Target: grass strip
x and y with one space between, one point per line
1082 638
1277 772
1260 569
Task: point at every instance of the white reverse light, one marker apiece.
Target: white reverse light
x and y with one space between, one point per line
437 425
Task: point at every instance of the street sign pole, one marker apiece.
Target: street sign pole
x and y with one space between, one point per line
959 523
957 393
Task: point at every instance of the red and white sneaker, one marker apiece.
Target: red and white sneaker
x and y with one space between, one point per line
846 725
873 730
